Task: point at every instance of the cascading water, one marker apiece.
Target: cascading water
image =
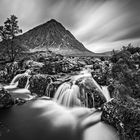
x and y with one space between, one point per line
14 80
27 83
106 93
47 120
61 89
68 96
18 88
81 92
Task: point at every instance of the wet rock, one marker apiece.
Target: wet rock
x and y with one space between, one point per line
22 82
90 95
124 115
6 99
38 84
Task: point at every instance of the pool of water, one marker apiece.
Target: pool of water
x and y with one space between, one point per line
41 120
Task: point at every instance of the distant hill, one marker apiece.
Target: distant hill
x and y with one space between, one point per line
53 36
109 53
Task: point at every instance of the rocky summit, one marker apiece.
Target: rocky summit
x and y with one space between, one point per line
53 36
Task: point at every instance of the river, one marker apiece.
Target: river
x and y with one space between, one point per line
41 120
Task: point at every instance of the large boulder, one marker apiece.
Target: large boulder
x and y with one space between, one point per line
90 94
22 82
38 84
124 115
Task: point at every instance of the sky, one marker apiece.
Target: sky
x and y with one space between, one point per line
101 25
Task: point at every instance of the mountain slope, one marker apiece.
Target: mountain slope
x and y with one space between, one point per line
52 36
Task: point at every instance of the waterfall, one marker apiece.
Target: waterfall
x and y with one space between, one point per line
81 93
27 83
106 93
61 89
68 96
15 80
65 98
97 85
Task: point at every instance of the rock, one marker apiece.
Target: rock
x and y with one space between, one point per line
6 99
38 84
91 96
124 116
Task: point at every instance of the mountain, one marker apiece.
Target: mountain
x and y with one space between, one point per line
52 36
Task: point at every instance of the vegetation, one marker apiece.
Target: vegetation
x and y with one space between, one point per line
10 46
125 69
123 112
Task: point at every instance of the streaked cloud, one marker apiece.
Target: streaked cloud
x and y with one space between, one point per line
100 25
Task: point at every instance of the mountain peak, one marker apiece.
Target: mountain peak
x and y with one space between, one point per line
53 24
52 35
52 21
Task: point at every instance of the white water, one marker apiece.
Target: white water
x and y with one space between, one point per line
67 95
44 119
16 92
106 93
61 89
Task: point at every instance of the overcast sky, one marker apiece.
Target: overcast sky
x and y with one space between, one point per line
101 25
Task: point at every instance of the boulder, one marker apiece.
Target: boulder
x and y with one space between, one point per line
124 115
6 99
38 84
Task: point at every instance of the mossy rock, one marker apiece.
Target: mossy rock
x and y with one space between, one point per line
22 82
38 84
6 99
124 116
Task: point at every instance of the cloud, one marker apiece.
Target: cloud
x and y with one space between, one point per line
99 24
